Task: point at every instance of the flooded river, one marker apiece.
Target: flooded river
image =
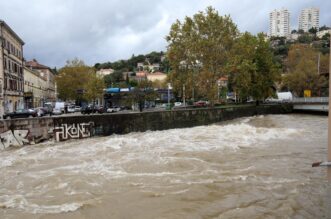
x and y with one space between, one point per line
257 167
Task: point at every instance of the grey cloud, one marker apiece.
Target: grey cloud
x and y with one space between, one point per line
99 31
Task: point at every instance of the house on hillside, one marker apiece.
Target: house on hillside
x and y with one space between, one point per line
105 71
157 76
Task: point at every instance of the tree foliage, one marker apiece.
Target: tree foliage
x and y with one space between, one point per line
252 68
131 64
141 93
72 79
198 51
94 88
303 70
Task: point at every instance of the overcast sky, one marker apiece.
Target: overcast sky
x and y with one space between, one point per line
108 30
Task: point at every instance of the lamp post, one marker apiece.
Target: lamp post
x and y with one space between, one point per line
169 87
218 90
184 95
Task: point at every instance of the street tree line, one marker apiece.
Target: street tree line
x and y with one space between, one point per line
202 49
207 46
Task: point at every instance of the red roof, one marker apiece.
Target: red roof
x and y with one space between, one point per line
34 64
141 74
223 78
157 73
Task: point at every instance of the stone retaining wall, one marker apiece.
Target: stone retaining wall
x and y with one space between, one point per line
33 130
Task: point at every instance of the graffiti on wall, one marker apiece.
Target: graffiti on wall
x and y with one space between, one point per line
71 131
14 138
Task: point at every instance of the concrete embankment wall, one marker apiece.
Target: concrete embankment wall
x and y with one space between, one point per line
26 131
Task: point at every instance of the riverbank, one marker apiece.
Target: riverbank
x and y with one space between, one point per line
18 132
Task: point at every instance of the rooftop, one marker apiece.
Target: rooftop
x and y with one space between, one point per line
4 24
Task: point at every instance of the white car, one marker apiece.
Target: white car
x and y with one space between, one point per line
78 108
71 109
178 103
57 111
113 109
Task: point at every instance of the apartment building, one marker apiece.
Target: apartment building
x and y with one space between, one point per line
309 17
279 23
11 70
47 74
35 89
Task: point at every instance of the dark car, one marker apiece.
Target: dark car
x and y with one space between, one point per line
21 113
92 109
201 103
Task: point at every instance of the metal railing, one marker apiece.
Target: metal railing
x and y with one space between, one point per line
310 100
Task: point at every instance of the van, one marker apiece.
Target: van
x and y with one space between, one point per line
60 106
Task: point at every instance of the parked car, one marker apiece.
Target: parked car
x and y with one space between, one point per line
178 104
201 103
61 106
78 108
92 109
44 111
71 109
21 113
57 111
113 109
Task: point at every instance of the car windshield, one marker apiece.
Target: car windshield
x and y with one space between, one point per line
20 110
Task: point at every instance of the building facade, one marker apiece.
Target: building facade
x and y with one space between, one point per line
35 89
104 72
279 23
47 74
309 18
321 33
11 70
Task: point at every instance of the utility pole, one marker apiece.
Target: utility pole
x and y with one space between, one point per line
329 122
328 162
318 63
184 95
218 90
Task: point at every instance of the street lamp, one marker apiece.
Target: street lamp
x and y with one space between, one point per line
184 95
218 90
169 87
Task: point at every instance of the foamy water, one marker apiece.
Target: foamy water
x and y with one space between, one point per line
252 167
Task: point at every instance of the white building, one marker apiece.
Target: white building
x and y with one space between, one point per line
279 25
320 34
104 72
309 17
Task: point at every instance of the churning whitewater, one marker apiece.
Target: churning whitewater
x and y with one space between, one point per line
253 167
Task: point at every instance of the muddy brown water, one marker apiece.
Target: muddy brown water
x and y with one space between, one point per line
256 167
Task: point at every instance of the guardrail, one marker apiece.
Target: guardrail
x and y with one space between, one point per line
310 100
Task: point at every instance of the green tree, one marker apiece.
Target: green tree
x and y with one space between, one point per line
252 68
94 88
198 51
303 70
301 31
313 30
142 93
324 28
305 38
72 79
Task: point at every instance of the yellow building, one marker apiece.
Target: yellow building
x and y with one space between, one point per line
11 70
35 89
47 74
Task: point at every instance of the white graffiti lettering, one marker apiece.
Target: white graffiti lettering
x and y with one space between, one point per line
65 132
14 138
